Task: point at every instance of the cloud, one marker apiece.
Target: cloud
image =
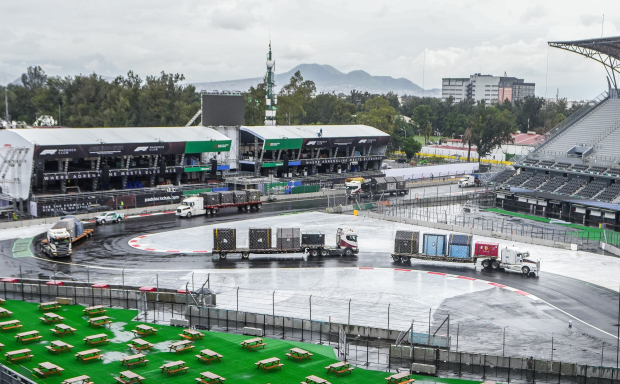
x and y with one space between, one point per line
297 51
534 13
238 18
590 20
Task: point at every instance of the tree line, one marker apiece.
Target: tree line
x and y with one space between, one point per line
92 101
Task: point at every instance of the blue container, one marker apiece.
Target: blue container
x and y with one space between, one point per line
434 245
459 251
222 189
461 239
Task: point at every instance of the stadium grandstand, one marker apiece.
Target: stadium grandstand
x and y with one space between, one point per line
573 172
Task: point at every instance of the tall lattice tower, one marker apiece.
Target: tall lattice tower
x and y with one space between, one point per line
271 98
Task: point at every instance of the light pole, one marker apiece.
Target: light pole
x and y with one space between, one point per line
404 129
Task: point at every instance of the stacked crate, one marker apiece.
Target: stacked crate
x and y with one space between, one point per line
459 246
226 197
407 242
434 244
240 197
260 238
253 195
313 239
288 238
211 198
224 239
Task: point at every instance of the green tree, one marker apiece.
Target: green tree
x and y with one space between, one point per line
423 115
378 113
491 128
411 146
255 105
327 108
294 96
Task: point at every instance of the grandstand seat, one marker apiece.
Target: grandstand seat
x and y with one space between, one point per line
519 179
502 176
578 167
613 172
591 189
560 165
597 169
546 163
609 194
571 187
590 126
535 181
553 184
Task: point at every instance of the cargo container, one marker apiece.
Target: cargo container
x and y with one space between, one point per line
434 244
209 203
375 187
288 240
60 238
459 248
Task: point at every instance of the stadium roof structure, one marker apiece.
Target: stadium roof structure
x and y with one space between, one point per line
90 136
312 131
605 50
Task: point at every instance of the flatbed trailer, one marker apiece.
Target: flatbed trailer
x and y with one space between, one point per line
346 245
213 209
406 257
312 250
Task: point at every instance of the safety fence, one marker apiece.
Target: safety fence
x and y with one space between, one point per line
369 328
469 213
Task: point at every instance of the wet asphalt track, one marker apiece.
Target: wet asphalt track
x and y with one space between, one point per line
109 248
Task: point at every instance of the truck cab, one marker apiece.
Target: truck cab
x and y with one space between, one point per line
469 181
58 243
190 207
518 260
347 240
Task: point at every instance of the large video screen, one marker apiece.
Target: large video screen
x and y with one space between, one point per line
227 110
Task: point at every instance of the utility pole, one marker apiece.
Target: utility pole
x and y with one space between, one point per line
6 102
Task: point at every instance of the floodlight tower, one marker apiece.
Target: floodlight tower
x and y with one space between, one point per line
271 99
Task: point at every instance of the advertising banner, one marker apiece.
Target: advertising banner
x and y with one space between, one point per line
323 142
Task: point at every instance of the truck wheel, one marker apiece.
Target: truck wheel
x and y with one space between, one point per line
486 264
395 258
215 211
348 252
245 255
222 255
246 208
259 205
189 215
324 252
314 253
525 270
404 259
495 265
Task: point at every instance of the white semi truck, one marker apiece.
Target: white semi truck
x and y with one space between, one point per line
211 202
469 181
60 238
507 258
57 243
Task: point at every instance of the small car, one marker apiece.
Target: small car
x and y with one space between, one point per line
109 217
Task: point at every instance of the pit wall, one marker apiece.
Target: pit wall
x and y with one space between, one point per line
472 231
429 355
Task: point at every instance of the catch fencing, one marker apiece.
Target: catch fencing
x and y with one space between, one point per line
468 213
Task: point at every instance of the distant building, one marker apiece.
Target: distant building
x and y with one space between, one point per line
486 87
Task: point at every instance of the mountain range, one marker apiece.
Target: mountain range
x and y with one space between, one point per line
329 79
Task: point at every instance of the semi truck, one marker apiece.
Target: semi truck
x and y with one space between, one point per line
470 181
375 186
209 203
507 258
288 240
459 248
60 238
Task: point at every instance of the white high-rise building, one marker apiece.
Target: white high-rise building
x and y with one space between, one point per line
489 88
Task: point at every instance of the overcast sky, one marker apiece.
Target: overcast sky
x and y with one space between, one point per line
225 40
